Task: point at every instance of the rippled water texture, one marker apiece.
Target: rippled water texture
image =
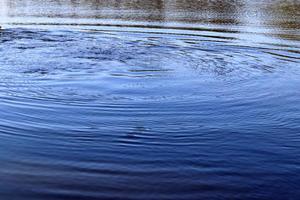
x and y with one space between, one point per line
149 99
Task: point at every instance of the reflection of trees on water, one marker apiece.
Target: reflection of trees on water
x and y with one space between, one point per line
219 6
144 10
196 11
285 15
114 9
288 10
212 11
161 10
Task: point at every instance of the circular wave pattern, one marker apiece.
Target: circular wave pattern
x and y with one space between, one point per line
105 114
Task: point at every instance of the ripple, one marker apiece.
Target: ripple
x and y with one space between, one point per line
90 111
97 64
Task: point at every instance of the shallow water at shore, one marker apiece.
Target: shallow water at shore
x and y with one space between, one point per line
149 100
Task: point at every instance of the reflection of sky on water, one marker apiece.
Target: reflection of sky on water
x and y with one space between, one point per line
3 10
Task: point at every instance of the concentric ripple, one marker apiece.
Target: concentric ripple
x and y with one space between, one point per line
106 114
124 65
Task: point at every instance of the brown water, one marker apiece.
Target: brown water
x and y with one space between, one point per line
140 99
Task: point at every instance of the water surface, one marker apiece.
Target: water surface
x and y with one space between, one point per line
149 99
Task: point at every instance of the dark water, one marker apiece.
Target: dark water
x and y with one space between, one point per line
149 99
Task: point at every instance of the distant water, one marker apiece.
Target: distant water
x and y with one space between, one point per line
149 100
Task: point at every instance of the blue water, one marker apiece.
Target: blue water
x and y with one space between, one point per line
148 112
